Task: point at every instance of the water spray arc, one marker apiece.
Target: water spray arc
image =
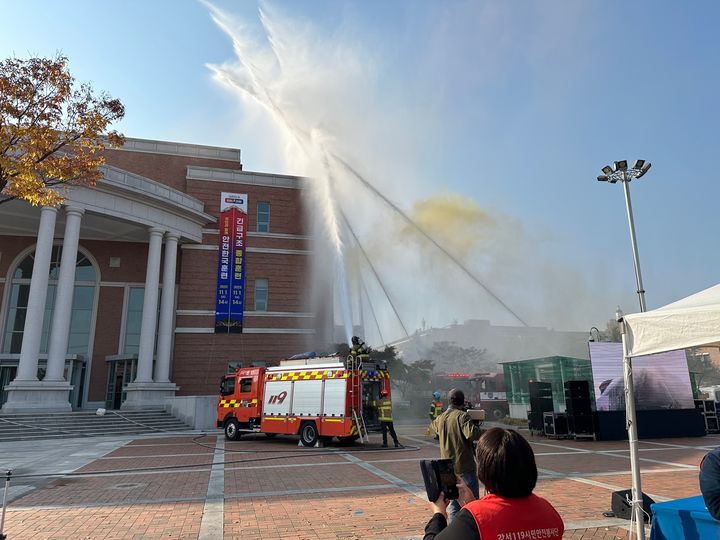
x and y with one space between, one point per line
372 310
255 81
425 235
374 271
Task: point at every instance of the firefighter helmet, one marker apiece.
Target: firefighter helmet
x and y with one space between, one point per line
436 395
355 340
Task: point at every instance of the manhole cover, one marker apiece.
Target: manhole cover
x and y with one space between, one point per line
128 486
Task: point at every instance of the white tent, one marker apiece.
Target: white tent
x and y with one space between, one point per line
689 322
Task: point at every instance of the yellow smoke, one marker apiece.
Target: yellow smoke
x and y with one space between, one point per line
455 221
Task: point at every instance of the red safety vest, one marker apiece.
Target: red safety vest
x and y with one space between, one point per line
531 517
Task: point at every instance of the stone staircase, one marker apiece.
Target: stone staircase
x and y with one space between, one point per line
43 426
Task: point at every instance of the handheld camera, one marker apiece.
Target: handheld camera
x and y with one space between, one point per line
439 475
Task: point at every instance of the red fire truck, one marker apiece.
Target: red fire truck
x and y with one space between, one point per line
484 390
317 398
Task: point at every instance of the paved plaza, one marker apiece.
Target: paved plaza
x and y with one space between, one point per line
261 488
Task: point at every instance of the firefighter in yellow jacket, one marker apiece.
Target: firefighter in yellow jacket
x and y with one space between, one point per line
386 420
436 409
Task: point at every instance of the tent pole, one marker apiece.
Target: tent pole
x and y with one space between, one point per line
630 417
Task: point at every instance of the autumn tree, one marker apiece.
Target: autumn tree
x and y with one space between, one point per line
52 130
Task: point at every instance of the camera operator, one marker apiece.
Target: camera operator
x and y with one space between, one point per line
457 432
507 469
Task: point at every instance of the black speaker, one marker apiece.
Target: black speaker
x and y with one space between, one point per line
621 507
700 404
581 424
535 421
540 389
575 406
577 390
710 407
555 424
711 424
541 405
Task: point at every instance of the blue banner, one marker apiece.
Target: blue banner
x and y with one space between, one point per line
230 296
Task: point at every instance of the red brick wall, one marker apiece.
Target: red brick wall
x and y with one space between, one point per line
285 203
201 359
168 169
107 338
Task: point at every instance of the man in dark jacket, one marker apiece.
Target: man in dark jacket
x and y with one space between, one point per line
710 482
457 431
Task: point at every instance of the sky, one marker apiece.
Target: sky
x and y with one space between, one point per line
485 121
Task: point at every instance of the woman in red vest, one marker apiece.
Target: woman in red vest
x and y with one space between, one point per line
509 511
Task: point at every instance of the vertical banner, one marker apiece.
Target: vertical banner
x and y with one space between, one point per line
230 296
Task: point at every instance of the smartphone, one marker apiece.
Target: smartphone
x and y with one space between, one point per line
439 475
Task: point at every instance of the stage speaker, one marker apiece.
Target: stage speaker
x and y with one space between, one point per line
711 424
710 407
555 424
540 389
541 405
577 390
620 504
581 424
700 404
575 406
535 421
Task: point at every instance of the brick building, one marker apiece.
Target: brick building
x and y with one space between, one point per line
93 337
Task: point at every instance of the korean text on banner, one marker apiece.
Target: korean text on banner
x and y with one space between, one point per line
230 297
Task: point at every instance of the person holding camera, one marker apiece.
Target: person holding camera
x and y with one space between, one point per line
507 469
457 432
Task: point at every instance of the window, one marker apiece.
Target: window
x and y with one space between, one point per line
245 386
261 294
82 306
227 386
133 320
263 217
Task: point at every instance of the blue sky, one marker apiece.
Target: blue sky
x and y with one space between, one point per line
515 105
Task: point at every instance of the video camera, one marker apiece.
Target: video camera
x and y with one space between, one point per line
439 475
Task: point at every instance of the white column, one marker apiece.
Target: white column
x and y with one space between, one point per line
62 313
150 304
32 331
167 308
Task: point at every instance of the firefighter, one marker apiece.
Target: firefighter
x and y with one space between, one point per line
359 349
436 409
386 420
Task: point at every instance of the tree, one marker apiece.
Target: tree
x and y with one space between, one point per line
446 355
612 332
700 363
51 130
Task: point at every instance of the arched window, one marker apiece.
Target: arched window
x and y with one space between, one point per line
82 308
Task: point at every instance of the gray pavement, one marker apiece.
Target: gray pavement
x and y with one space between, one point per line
55 456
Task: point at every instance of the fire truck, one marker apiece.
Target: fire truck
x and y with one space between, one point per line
484 390
317 398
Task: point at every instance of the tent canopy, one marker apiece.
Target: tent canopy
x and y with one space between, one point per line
690 322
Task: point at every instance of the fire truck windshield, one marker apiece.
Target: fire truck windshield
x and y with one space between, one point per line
227 385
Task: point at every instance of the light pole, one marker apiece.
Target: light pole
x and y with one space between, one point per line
620 172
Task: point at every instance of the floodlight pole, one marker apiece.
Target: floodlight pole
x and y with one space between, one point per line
633 241
620 173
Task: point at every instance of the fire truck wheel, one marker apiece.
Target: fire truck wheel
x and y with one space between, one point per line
232 430
497 414
308 434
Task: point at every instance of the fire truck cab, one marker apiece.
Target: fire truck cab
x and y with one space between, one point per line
316 398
